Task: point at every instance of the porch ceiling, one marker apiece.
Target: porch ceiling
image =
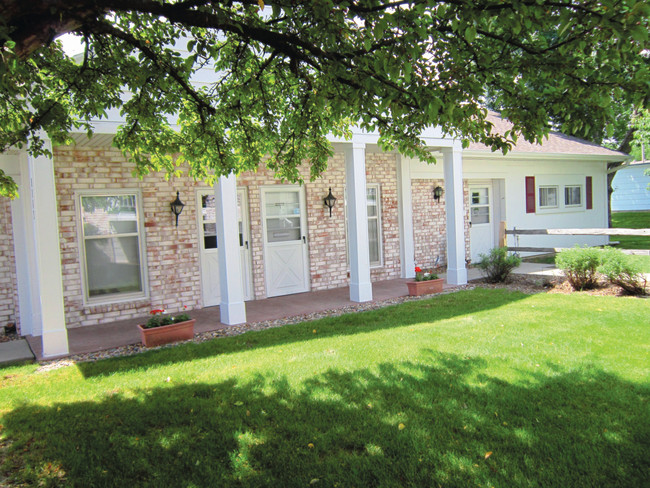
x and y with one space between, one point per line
97 140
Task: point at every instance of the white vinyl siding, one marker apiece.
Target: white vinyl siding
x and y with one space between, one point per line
112 246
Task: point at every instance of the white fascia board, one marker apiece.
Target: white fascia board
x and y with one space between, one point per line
469 154
431 136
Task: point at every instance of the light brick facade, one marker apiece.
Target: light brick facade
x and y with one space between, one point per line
172 253
430 223
8 288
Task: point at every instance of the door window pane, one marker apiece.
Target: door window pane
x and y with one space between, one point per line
283 216
480 215
480 196
209 216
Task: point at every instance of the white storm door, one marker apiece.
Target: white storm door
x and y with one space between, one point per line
481 230
285 240
209 252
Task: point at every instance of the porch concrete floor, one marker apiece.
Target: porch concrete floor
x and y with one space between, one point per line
106 336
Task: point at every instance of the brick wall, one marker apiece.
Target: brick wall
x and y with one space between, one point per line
172 253
430 221
381 168
8 286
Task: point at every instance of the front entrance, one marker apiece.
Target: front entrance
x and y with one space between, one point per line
209 251
285 240
481 230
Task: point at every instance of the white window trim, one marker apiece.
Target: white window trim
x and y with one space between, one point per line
144 274
377 264
582 199
539 197
380 263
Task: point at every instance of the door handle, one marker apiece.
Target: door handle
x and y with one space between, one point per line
246 244
304 240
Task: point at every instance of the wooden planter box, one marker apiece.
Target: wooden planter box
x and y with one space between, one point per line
417 288
182 331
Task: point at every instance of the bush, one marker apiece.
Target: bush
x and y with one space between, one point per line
620 270
580 265
497 264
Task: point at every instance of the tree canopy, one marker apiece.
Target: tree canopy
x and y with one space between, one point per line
285 75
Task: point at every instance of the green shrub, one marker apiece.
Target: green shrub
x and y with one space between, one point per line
622 271
580 265
497 264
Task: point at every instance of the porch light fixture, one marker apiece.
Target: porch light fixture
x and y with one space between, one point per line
437 193
329 201
177 207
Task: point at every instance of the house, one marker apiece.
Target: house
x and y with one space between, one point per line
632 188
86 243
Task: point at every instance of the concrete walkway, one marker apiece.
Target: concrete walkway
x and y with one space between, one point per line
106 336
14 352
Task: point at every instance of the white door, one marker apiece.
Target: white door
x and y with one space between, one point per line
209 252
285 240
481 230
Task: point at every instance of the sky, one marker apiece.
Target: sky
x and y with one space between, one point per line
71 44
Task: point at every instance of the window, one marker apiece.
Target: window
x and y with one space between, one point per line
573 196
374 233
548 197
480 205
373 202
111 245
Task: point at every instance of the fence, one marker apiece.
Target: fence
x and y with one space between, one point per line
504 232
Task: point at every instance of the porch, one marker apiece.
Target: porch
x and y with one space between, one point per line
96 338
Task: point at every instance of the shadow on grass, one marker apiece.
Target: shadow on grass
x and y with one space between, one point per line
438 308
397 425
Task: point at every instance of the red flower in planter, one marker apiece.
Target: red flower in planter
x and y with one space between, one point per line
154 312
418 269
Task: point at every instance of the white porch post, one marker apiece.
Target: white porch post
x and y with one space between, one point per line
25 254
355 185
405 217
453 170
46 276
232 307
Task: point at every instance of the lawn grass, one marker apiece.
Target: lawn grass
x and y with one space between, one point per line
632 220
476 388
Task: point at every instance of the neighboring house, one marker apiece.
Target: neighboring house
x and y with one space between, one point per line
632 188
86 243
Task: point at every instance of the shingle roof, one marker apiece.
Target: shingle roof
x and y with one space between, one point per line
555 143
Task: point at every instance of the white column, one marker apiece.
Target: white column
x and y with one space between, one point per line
355 185
46 275
453 169
405 217
232 307
25 254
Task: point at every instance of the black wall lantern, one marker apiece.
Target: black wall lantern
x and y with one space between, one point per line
177 207
329 201
437 193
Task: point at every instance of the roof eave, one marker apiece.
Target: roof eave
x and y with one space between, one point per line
605 158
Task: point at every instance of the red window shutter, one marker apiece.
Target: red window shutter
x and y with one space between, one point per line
530 194
590 193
